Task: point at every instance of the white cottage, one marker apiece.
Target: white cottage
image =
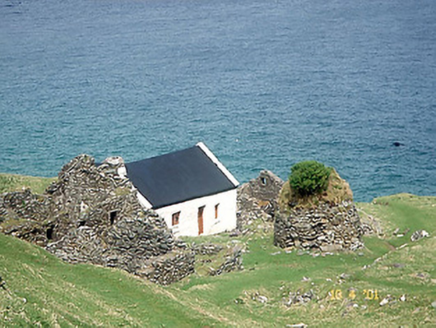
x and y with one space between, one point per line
190 189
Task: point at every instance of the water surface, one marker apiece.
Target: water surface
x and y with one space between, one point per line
264 84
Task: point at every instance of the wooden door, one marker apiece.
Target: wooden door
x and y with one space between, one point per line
200 220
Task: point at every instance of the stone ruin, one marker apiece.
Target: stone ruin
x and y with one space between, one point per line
328 222
258 199
327 227
232 262
91 214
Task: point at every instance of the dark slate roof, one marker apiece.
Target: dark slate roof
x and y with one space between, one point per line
177 177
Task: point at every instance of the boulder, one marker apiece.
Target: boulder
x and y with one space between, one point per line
419 234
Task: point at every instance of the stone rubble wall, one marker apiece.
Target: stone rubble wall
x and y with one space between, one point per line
258 199
169 268
232 262
328 227
266 187
24 205
92 215
206 249
249 210
25 215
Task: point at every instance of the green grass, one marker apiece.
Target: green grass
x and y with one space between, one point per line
13 182
58 294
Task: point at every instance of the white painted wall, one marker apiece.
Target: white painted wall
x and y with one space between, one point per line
188 222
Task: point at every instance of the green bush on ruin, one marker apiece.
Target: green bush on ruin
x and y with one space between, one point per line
309 178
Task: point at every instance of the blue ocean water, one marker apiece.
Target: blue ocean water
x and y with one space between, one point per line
264 84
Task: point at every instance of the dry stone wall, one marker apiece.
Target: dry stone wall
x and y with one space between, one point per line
92 214
265 188
24 204
206 248
258 199
232 262
328 227
26 215
169 268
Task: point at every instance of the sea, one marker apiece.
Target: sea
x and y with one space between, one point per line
263 83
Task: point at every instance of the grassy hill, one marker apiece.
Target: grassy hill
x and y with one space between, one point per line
14 182
40 290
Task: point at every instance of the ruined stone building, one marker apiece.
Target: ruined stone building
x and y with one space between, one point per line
127 215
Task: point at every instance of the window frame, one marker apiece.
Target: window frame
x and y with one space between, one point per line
216 211
175 219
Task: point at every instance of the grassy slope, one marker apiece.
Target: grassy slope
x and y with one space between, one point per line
13 182
83 295
58 293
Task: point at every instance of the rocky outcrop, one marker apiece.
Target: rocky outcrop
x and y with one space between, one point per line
327 227
92 214
298 297
258 198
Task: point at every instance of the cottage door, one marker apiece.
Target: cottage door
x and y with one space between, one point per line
200 220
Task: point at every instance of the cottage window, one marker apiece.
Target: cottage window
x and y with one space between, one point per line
175 218
216 211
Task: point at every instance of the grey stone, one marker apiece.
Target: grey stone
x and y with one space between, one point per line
417 235
298 298
205 249
398 265
233 262
258 199
328 227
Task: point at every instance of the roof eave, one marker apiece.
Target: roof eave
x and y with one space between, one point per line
188 199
